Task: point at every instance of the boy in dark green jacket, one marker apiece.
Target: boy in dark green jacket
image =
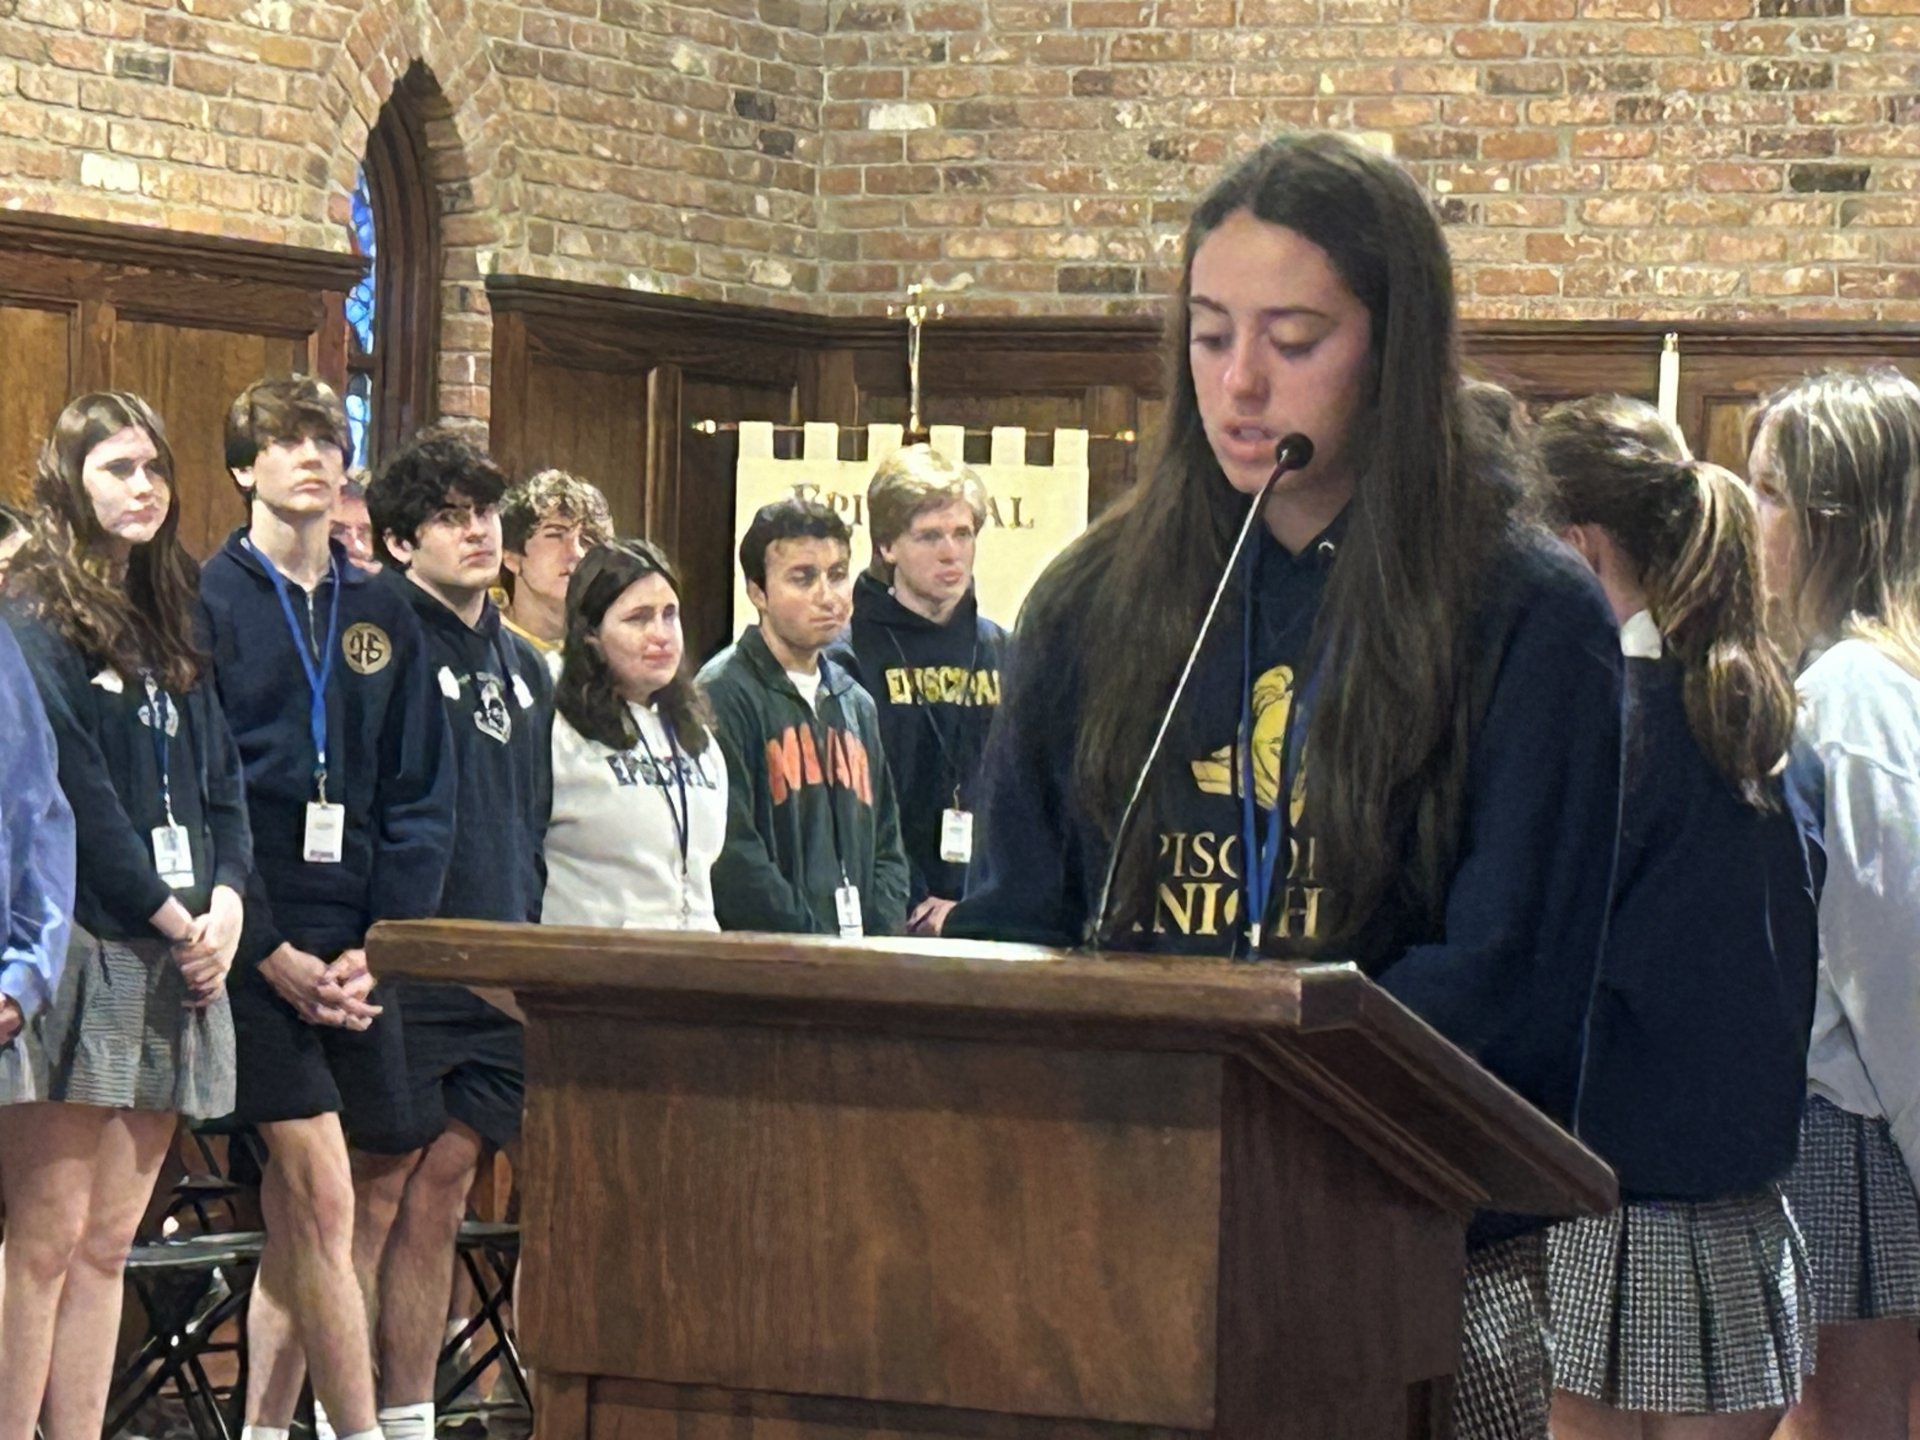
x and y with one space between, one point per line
813 826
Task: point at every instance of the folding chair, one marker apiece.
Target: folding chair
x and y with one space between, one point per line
189 1290
490 1253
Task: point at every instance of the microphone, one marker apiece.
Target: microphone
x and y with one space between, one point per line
1294 452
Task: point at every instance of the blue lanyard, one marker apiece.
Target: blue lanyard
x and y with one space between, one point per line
159 711
317 677
682 818
1258 865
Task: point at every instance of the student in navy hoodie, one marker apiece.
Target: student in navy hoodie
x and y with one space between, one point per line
1401 742
325 678
931 661
138 1032
436 514
1689 1309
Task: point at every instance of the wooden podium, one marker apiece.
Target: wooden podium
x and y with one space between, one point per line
777 1188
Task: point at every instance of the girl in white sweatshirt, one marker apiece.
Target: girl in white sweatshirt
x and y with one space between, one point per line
1836 465
639 788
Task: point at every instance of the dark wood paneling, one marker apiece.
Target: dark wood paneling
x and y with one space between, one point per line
594 424
35 390
190 376
1103 374
185 321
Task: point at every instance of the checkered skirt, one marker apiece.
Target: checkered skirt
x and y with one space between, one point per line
1678 1308
1503 1389
117 1034
1855 1201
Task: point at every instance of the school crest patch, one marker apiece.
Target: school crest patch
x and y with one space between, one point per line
366 648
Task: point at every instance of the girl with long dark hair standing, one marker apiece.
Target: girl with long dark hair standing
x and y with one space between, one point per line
103 599
639 788
1401 740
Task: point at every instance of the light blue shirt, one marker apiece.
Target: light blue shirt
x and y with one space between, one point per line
36 840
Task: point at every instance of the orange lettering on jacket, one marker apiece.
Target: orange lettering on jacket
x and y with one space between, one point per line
793 762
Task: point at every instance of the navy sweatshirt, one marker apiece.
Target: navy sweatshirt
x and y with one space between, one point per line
1508 972
498 699
103 727
937 688
1697 1053
389 765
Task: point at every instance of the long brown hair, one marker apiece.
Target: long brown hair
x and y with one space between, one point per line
1845 449
1434 496
143 621
586 694
1692 534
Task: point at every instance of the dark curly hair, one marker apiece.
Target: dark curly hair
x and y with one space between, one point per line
433 470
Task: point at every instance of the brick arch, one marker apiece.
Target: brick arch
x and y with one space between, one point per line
466 117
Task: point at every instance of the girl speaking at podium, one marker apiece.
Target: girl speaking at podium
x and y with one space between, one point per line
1398 737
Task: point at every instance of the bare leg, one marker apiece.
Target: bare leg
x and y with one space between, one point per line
46 1161
1859 1392
132 1145
417 1279
307 1270
379 1181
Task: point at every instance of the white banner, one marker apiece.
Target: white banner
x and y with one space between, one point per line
1033 511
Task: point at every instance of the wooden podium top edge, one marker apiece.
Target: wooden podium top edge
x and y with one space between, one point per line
553 961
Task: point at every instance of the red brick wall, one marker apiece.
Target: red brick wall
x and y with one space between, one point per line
664 146
1592 157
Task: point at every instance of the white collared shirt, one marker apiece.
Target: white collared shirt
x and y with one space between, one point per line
1640 637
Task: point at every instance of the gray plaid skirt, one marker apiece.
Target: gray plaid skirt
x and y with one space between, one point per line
1504 1388
118 1034
1682 1309
1855 1201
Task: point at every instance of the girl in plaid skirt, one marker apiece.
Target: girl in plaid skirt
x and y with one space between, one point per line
1836 462
1685 1311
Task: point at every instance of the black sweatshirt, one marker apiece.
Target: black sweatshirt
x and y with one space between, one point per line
1697 1052
389 765
499 706
937 688
109 768
1508 972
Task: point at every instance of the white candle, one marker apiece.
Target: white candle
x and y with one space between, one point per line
1670 378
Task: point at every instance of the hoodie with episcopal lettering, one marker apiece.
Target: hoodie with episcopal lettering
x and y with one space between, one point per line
387 762
937 688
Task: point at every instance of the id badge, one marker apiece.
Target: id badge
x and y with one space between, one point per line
956 836
846 905
326 833
173 856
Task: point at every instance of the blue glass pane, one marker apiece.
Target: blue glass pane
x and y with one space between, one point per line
360 299
359 403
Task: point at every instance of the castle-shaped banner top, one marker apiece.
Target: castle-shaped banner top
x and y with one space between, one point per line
1032 510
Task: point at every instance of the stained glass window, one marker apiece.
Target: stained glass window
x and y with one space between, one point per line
360 303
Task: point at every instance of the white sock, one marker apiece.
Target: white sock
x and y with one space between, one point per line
322 1427
408 1422
264 1432
362 1435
